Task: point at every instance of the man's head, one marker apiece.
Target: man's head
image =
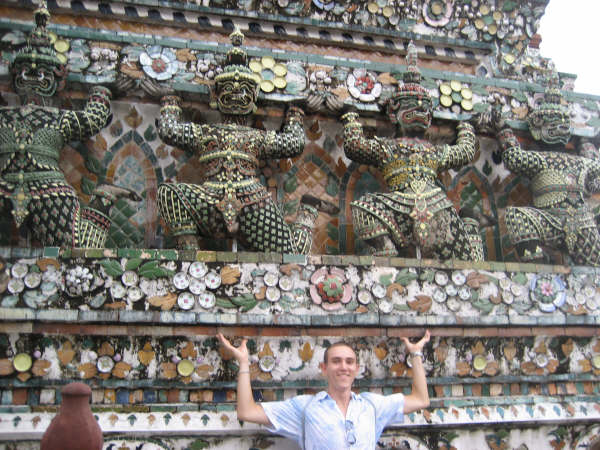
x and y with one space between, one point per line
339 366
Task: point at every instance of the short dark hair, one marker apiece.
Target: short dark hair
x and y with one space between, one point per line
337 344
595 444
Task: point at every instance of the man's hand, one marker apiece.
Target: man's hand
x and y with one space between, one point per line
419 397
418 346
240 353
247 409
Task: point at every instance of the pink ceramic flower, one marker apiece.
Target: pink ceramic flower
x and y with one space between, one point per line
330 289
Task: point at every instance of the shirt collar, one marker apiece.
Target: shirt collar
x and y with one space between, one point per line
323 395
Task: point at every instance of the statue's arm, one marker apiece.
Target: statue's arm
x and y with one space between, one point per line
356 146
517 160
459 154
590 167
172 130
80 125
289 142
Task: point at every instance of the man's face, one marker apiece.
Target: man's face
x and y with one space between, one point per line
341 367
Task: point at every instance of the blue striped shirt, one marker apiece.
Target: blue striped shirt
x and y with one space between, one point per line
325 428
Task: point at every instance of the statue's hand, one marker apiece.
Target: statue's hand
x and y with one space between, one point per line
349 113
102 91
490 121
155 89
170 100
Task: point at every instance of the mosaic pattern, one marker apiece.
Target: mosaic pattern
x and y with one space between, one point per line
196 362
148 282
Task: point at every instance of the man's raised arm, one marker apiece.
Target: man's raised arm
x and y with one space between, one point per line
419 397
247 409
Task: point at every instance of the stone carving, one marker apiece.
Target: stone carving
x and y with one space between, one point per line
231 201
32 185
416 210
559 218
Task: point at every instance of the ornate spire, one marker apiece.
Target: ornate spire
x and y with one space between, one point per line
412 74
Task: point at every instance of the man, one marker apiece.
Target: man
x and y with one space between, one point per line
336 418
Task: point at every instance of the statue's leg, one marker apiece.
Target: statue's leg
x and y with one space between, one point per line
586 248
450 237
529 229
472 229
91 226
302 228
188 214
55 216
377 226
177 216
263 229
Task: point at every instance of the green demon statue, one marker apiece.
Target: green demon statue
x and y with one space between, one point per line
230 201
32 185
416 210
560 183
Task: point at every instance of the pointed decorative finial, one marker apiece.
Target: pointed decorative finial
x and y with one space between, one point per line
237 37
41 15
412 74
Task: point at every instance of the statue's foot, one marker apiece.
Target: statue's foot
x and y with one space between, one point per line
320 205
117 192
187 242
482 219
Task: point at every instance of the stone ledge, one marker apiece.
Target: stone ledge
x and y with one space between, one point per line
178 318
32 425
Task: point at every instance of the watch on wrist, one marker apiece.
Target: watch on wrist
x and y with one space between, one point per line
413 354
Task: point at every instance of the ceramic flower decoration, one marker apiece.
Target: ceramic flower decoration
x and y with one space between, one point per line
330 288
158 63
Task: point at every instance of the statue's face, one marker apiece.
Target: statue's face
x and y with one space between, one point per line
552 128
31 79
414 113
237 96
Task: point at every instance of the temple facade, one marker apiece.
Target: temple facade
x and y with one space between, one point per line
299 173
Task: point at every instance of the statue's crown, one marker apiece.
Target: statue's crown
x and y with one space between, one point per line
551 106
236 61
411 87
39 48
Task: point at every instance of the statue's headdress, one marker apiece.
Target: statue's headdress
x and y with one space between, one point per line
236 70
411 87
39 52
551 112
